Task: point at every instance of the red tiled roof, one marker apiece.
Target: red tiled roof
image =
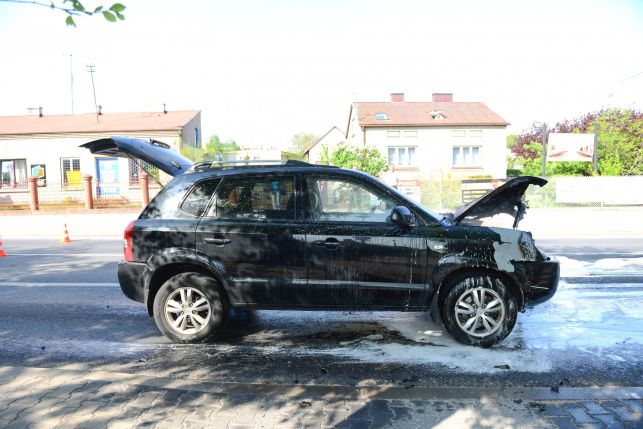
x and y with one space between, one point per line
87 123
417 114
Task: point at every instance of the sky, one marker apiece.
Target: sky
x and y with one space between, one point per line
263 71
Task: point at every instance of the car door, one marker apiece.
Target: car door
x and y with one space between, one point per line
252 230
356 256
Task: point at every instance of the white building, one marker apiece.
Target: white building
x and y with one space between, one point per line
325 144
47 146
429 139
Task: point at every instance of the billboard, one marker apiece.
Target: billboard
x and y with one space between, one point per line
570 147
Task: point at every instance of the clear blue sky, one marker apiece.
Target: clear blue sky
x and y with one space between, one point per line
262 71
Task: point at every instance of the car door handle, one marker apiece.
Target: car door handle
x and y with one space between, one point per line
329 243
217 241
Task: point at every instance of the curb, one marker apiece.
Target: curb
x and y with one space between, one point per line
335 391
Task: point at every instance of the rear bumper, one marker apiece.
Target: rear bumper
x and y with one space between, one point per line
541 280
130 277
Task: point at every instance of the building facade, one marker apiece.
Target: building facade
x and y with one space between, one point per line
48 147
428 139
324 145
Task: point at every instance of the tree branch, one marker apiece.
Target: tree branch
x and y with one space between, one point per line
70 11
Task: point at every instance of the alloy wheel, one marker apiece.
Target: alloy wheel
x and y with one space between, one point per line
480 311
187 310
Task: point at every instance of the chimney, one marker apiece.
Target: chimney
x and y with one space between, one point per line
40 111
397 97
164 109
100 109
442 96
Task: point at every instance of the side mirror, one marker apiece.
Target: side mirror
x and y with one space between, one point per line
403 217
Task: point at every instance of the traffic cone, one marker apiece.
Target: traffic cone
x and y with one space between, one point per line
65 237
2 252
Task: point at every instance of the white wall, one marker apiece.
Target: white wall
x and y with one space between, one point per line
434 149
49 151
331 141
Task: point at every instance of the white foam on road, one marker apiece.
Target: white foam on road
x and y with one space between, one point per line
595 323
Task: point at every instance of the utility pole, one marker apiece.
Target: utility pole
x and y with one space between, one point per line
71 74
595 154
91 69
544 141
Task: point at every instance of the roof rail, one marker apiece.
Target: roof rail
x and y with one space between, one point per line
251 163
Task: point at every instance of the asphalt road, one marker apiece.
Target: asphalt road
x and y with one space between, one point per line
60 306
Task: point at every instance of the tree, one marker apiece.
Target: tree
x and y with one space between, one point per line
620 145
301 141
75 8
366 158
215 148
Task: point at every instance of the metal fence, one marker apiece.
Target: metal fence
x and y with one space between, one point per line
52 196
436 194
559 192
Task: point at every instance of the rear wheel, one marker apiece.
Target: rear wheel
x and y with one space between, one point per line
479 310
189 308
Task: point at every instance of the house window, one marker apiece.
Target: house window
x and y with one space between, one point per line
381 116
70 171
475 133
196 137
410 133
458 133
135 170
392 133
13 173
401 155
466 156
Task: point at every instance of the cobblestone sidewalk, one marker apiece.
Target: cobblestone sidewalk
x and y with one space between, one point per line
61 398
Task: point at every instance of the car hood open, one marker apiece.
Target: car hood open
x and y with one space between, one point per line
153 152
508 198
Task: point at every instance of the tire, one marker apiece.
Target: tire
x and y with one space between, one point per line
467 315
176 315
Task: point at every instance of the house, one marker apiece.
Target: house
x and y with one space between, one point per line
47 146
428 139
325 144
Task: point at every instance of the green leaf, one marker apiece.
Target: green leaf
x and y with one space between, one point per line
70 21
98 9
117 7
120 16
52 5
109 16
78 6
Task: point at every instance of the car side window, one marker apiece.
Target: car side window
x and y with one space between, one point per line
344 200
256 198
199 197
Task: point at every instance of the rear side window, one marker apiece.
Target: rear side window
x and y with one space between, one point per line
199 197
256 198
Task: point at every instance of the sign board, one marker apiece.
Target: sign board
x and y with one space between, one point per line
570 147
39 171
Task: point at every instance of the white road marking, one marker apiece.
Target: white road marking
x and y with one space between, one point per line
68 254
54 284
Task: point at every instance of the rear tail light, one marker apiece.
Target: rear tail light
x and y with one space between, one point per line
127 242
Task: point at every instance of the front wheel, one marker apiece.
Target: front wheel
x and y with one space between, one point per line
479 310
189 308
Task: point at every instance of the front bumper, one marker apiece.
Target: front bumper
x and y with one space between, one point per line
541 280
130 277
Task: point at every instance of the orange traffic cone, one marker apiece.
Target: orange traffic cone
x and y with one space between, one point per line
2 252
65 237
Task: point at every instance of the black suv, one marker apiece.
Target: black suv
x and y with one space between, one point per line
292 235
